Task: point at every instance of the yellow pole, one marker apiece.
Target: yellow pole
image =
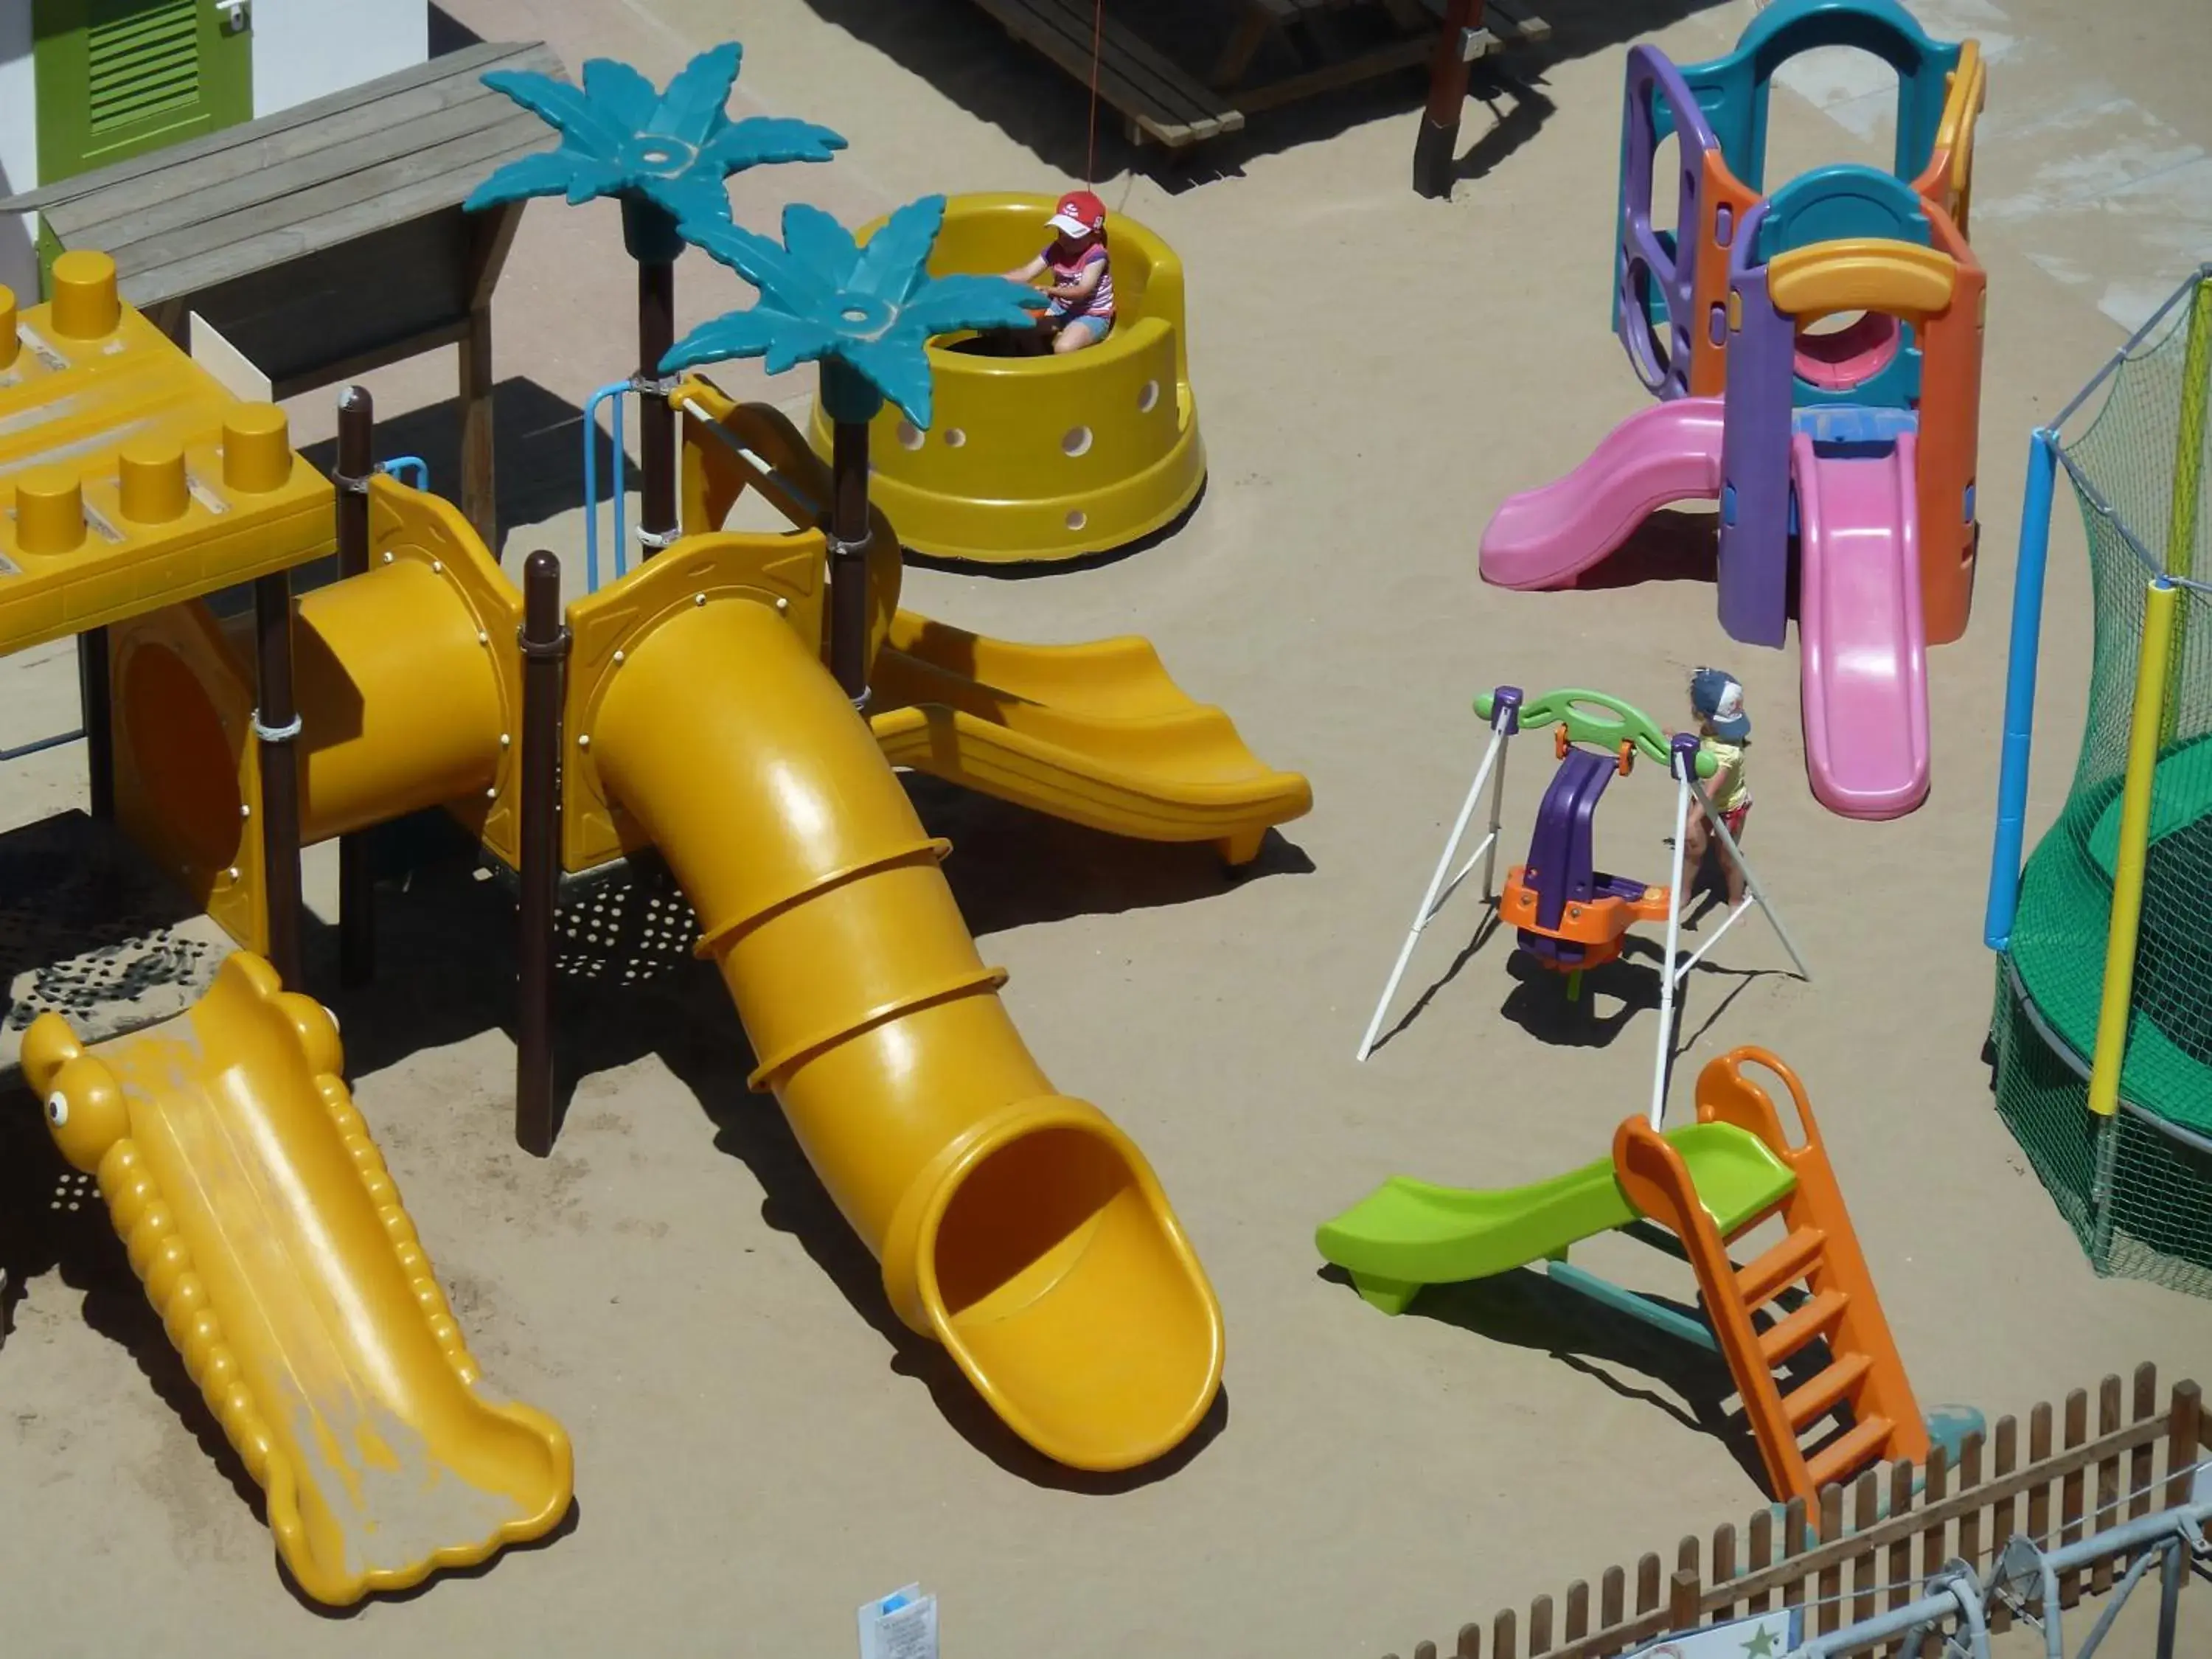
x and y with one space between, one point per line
2158 605
2188 477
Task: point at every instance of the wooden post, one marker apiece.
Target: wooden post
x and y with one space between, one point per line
1683 1595
545 641
656 416
275 725
97 707
490 235
1436 150
2182 1422
479 498
848 559
356 876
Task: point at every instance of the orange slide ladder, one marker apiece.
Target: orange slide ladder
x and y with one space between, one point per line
1864 1375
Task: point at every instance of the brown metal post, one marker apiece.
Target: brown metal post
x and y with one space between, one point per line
93 699
356 879
848 559
656 416
544 640
1437 148
275 725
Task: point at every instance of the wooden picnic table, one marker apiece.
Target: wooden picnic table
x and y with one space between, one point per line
1163 102
328 239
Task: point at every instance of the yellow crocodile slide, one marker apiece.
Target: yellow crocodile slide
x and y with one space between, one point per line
273 1244
1096 733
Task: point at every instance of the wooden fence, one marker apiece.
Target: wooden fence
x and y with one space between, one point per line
1878 1554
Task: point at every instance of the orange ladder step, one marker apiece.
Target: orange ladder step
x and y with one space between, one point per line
1778 1342
1785 1264
1813 1401
1866 1440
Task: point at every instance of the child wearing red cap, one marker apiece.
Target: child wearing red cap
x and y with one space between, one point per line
1081 312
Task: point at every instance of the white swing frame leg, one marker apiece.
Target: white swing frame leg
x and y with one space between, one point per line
1667 977
1439 891
1689 791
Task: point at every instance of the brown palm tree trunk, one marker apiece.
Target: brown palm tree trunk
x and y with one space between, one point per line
656 417
849 558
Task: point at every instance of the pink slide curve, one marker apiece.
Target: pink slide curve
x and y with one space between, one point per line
1865 653
1546 538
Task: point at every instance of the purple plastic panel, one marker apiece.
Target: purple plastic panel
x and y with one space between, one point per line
1651 77
1559 865
1754 557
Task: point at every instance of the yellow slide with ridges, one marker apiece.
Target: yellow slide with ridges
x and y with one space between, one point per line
1019 1227
1098 734
273 1244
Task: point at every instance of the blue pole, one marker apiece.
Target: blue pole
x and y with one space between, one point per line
2020 689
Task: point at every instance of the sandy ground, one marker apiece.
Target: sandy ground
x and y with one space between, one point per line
758 1446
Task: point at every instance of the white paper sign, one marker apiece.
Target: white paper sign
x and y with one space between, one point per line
1769 1636
901 1625
2200 1485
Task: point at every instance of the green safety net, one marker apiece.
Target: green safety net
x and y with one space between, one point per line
2136 1188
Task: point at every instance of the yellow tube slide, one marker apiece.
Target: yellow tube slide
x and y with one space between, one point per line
1019 1227
274 1245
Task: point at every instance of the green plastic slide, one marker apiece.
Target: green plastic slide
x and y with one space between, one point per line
1406 1234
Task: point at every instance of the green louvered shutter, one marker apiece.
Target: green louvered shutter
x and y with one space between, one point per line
119 77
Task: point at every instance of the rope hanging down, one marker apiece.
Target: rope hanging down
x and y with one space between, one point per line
1097 36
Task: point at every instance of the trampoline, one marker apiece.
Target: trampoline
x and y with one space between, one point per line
2101 1036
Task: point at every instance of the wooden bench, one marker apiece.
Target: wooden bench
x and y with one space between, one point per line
1160 103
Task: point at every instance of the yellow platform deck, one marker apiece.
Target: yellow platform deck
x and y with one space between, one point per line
131 478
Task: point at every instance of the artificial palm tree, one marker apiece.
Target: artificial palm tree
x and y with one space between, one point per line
663 154
866 315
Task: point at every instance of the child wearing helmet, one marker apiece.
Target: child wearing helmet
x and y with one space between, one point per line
1723 732
1081 288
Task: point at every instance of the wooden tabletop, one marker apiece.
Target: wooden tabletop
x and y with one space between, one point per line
182 219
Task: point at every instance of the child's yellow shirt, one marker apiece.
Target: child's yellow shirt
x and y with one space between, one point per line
1729 787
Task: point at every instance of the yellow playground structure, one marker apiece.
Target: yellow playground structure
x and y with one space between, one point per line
683 708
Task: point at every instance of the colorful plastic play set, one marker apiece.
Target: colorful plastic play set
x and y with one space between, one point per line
1842 460
729 713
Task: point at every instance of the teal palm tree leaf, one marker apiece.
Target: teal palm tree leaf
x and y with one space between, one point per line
588 180
625 94
737 334
946 303
691 108
783 279
801 340
896 259
819 242
898 368
546 174
581 124
667 150
760 139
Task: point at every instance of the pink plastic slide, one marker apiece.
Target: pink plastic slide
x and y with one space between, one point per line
1864 651
1546 538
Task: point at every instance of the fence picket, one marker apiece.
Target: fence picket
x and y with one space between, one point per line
2140 1466
1760 1554
2108 1479
2072 1491
1832 1576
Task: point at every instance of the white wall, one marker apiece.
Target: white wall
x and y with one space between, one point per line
305 49
19 150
